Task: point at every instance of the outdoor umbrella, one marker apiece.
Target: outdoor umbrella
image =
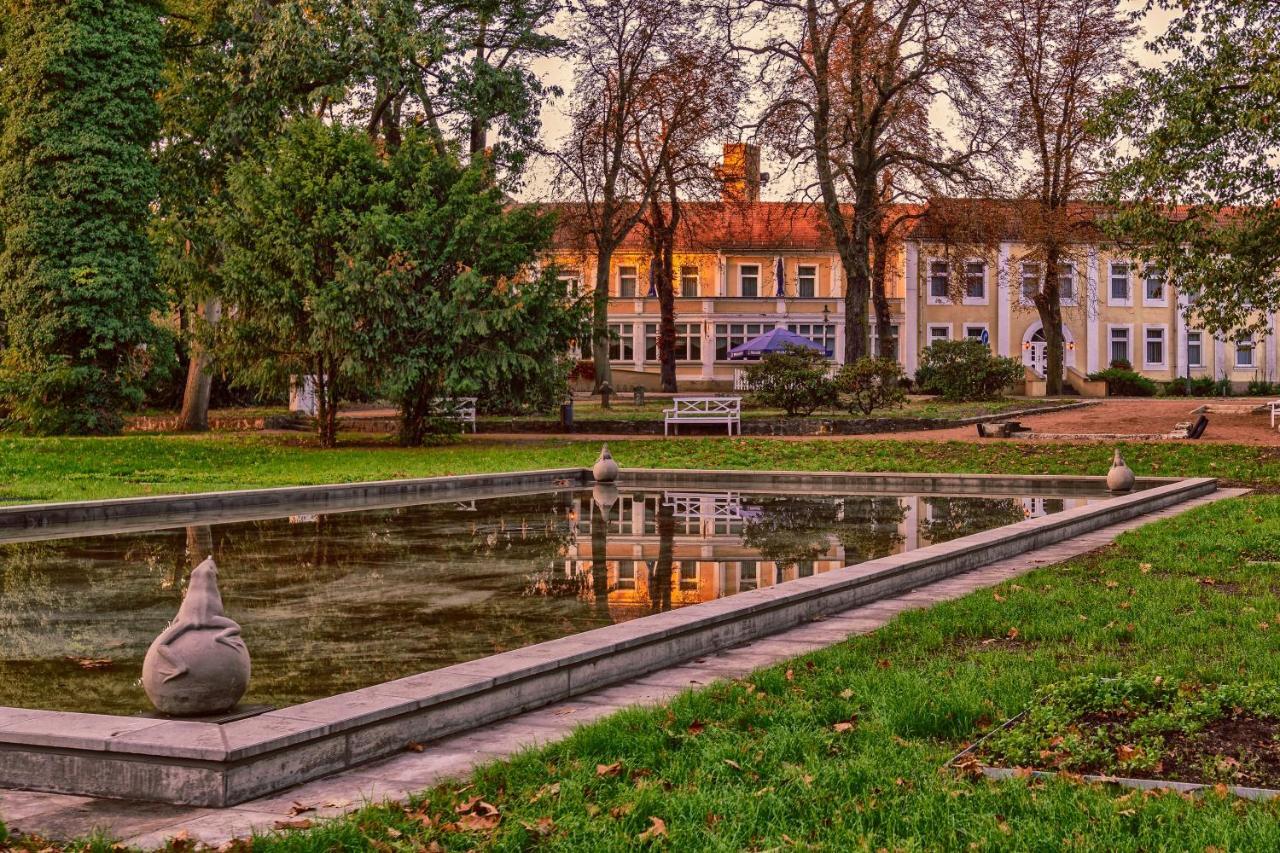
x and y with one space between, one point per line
653 278
774 340
778 277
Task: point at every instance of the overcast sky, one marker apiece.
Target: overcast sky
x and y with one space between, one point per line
560 73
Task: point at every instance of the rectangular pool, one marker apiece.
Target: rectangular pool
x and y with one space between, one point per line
334 601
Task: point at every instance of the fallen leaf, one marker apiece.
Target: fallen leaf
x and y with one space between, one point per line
609 769
997 596
543 826
299 808
414 746
846 725
790 674
1145 568
1127 752
884 663
1013 634
696 727
551 790
846 693
479 822
304 823
735 765
657 829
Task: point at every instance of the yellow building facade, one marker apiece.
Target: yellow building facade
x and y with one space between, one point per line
744 267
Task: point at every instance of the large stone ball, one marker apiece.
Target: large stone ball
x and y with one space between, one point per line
217 674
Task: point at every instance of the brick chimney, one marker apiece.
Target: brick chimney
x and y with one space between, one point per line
740 172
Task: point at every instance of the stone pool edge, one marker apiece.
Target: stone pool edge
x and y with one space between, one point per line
204 764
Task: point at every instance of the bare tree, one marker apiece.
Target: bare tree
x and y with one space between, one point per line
615 96
849 87
1059 60
699 88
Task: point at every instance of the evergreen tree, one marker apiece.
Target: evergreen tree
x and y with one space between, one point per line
77 285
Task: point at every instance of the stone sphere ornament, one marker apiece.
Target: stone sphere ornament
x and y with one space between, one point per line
605 469
199 665
1120 478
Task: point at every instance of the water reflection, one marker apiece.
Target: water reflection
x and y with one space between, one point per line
333 602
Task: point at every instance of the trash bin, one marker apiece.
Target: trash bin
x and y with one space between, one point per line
566 416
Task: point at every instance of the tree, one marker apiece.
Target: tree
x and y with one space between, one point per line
1059 61
849 84
402 272
77 286
1199 196
472 315
309 262
614 93
697 88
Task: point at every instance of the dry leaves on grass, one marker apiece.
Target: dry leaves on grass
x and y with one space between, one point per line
477 815
846 725
542 827
657 829
609 769
1127 752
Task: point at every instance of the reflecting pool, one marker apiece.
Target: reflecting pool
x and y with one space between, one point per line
334 602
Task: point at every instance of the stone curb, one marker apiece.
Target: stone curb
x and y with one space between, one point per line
221 765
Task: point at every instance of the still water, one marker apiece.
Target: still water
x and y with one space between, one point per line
334 602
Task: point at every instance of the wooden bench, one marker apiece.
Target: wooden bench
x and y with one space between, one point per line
460 409
703 410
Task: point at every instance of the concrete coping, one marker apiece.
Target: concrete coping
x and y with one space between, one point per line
287 727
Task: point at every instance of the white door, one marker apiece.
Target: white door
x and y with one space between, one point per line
1033 356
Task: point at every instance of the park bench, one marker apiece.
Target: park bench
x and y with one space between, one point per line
460 409
1274 406
703 410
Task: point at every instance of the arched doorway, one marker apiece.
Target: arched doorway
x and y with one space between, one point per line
1035 349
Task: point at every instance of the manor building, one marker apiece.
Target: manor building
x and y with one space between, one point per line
744 266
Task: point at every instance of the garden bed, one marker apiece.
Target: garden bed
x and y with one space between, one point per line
1143 731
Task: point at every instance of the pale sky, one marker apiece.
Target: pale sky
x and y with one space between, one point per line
559 72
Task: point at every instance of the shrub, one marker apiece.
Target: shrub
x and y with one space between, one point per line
966 370
1262 388
794 380
1201 386
869 384
1121 364
1125 383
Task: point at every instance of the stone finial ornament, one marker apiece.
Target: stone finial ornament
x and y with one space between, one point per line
198 665
605 469
1120 478
605 496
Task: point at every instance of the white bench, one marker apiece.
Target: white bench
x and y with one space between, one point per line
460 409
703 410
1274 406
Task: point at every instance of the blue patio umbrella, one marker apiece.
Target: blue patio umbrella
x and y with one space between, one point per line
774 340
778 276
653 279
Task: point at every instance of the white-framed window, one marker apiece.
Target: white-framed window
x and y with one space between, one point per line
1244 354
749 280
939 281
1153 287
1195 349
1119 291
1030 279
689 280
806 281
1120 338
939 332
1067 283
730 335
1154 347
975 283
621 343
879 347
974 331
688 343
818 333
627 281
572 281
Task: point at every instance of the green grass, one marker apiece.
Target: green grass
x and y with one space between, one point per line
35 469
843 749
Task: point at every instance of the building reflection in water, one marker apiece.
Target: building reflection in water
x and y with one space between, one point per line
639 552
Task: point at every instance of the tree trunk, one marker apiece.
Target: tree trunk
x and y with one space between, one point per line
195 397
879 298
600 321
1049 307
857 293
661 581
667 322
327 403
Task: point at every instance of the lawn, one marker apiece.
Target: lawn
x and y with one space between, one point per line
843 749
35 469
